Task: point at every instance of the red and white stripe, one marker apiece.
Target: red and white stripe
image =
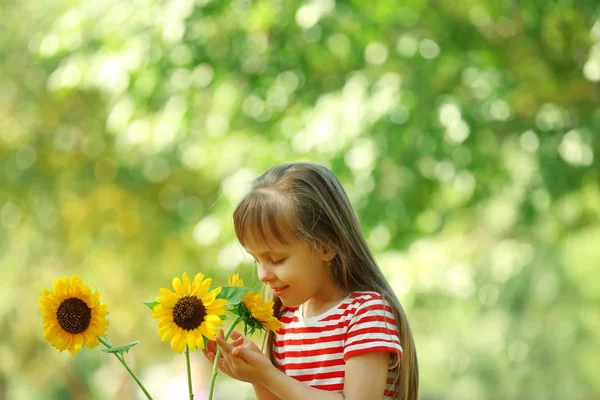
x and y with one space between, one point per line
315 350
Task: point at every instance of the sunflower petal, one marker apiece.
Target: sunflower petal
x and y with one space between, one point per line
47 302
191 341
101 310
204 286
167 301
211 335
50 331
167 297
268 305
165 332
210 296
234 280
95 299
57 287
75 348
200 342
178 286
90 341
159 310
197 284
217 311
76 281
164 321
213 319
215 304
186 284
178 341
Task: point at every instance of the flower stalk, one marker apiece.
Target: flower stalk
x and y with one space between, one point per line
121 359
215 368
189 371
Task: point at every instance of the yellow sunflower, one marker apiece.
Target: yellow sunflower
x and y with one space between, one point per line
72 315
189 314
261 313
234 280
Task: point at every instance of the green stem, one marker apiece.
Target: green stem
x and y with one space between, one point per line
189 371
215 368
121 359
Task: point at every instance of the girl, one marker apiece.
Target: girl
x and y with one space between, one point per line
345 334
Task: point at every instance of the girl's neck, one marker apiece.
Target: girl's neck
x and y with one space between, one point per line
317 306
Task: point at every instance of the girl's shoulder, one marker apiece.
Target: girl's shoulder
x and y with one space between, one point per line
366 294
366 297
368 302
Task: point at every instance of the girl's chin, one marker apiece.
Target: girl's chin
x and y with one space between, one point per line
289 303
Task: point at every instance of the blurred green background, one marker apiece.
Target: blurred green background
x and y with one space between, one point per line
465 132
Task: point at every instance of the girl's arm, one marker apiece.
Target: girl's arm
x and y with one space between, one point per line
365 379
262 393
365 375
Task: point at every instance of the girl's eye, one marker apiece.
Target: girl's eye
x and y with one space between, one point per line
277 262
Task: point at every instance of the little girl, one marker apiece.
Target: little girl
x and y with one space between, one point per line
345 335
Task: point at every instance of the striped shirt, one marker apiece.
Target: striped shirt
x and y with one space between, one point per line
315 350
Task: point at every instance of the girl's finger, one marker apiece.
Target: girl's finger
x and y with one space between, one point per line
225 347
235 335
211 346
223 366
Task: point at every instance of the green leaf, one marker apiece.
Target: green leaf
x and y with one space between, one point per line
233 294
121 349
224 317
151 305
205 342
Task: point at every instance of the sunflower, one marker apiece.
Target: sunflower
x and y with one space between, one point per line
72 315
189 314
234 280
259 314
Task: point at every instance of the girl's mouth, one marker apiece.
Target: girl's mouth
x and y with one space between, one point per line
279 291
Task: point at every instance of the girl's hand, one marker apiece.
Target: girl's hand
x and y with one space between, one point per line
243 360
239 340
210 352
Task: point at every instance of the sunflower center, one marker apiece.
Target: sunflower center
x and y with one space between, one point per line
189 312
74 315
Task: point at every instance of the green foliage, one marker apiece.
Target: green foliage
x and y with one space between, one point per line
121 349
233 294
151 305
251 325
466 134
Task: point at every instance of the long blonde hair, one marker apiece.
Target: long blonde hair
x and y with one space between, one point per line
307 200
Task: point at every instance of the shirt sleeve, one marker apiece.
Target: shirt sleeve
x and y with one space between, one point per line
372 329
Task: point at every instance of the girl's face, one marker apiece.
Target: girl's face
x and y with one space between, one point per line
295 271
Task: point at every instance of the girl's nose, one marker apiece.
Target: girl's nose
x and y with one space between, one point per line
264 274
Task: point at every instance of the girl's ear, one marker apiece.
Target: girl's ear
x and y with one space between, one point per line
327 253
